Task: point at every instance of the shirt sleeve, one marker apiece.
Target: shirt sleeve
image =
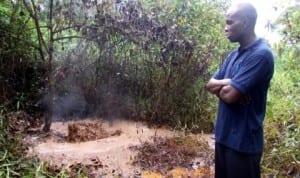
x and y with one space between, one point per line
258 68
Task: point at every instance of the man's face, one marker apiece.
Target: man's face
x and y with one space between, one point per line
234 28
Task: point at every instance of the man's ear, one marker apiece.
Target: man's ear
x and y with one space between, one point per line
245 23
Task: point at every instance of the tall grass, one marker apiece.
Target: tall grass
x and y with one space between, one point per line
282 131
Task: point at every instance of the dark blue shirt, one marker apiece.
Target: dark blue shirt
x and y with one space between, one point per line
240 125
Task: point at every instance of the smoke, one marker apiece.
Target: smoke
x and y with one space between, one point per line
84 88
65 105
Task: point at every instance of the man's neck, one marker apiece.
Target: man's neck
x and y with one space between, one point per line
248 40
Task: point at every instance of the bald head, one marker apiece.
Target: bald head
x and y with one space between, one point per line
240 23
246 12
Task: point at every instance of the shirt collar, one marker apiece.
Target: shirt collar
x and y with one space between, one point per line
250 46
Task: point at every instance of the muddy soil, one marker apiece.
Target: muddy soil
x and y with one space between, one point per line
109 155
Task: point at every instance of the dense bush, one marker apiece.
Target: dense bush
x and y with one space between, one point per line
147 60
282 153
20 70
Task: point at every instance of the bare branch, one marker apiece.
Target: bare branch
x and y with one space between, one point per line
66 37
67 28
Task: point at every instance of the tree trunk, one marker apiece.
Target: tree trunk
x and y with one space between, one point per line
48 118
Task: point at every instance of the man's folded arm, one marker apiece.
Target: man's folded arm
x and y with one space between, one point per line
223 90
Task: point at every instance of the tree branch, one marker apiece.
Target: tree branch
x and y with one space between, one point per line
66 37
66 28
33 14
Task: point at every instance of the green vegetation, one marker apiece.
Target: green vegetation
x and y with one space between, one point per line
20 71
147 61
282 154
12 153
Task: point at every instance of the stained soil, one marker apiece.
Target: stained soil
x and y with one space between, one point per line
123 148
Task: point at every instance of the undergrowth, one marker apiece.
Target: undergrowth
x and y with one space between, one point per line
14 161
282 132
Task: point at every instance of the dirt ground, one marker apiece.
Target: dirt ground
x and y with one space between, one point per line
107 150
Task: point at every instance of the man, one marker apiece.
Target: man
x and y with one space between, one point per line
241 84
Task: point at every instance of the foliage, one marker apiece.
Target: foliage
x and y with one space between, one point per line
12 153
20 72
282 131
151 61
147 60
289 21
54 22
282 155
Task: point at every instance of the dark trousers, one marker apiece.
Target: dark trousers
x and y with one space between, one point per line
232 164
